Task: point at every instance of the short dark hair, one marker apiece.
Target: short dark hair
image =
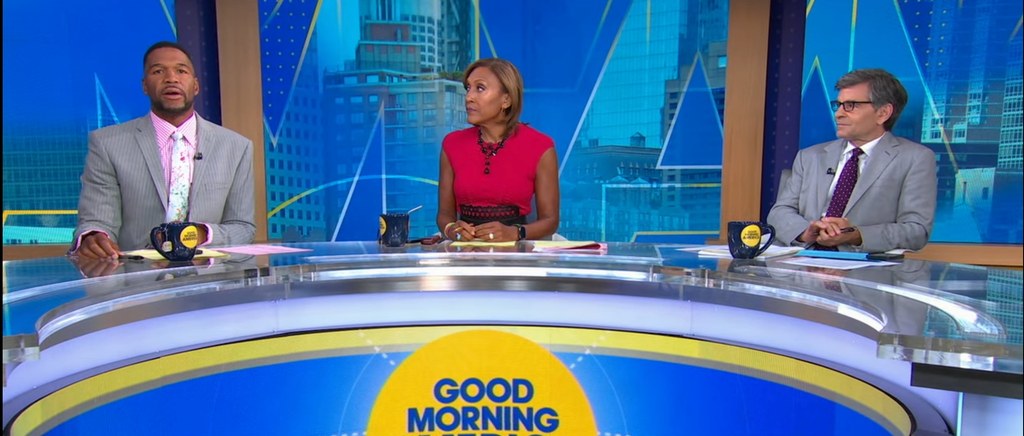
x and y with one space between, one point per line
884 87
165 44
511 81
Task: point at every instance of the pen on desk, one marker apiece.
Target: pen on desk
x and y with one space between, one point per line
130 257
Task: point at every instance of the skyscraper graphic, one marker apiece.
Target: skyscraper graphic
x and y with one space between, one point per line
967 77
1000 296
1009 174
1004 290
60 148
293 120
970 120
401 95
957 68
632 90
613 186
439 31
1011 132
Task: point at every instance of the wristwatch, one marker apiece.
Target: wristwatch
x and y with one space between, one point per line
522 231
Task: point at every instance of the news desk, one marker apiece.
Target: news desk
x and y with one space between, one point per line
352 338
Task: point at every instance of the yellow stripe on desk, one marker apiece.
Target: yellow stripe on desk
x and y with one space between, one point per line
104 388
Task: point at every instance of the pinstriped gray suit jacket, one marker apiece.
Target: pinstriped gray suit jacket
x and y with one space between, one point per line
124 193
892 204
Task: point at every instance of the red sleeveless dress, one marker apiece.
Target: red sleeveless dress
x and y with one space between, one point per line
504 194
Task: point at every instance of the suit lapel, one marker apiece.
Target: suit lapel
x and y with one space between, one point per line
827 160
883 154
145 140
201 168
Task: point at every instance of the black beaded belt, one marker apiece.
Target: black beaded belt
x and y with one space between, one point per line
476 215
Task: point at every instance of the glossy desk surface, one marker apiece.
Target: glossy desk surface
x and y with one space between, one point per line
948 315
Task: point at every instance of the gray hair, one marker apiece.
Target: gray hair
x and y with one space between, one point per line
884 87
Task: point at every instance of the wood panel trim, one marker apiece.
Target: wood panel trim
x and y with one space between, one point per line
745 77
241 96
974 254
21 252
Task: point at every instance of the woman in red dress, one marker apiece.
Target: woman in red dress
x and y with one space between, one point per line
490 172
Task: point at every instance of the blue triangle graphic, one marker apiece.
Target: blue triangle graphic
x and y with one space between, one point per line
108 117
560 62
359 220
817 123
830 54
699 141
284 28
833 59
899 58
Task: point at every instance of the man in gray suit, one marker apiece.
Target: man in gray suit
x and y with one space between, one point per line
892 203
128 171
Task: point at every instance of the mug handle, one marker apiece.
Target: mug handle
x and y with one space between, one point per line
158 245
771 239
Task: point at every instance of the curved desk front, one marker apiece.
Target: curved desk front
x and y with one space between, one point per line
352 338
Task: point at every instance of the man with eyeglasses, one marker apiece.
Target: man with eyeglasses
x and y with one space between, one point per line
869 190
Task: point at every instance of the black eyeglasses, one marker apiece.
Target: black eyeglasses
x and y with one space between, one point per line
848 106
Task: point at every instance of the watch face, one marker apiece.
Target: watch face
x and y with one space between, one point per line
522 232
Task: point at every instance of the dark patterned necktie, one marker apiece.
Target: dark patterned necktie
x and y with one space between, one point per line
844 187
847 180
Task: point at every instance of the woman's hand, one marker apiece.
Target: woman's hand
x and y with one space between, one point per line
495 231
461 231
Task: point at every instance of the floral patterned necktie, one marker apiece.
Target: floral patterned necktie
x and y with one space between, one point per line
177 195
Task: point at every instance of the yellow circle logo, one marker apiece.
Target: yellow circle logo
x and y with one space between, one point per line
383 226
481 382
190 236
751 235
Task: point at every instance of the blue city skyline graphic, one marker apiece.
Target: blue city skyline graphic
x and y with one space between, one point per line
561 81
584 69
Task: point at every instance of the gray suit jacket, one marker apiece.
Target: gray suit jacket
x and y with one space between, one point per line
893 203
124 193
